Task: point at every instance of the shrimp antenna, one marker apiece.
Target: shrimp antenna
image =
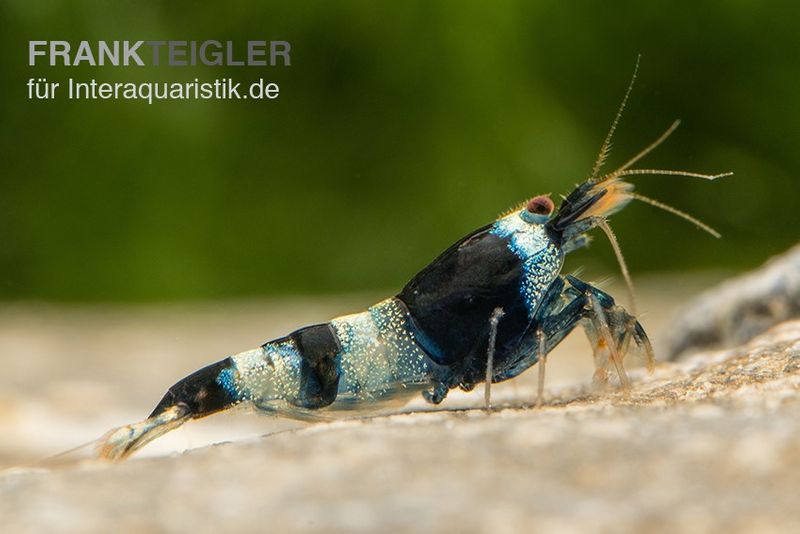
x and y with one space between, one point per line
57 457
675 211
652 146
667 172
606 148
603 224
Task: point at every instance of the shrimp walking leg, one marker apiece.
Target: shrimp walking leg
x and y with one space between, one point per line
572 302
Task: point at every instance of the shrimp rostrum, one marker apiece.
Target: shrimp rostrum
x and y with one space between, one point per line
488 308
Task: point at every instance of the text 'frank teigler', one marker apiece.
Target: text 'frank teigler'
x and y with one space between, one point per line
160 53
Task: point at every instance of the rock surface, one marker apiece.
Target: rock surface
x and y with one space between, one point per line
709 443
739 308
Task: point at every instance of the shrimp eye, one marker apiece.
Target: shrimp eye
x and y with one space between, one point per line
538 210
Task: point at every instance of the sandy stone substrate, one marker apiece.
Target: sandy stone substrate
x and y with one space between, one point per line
710 443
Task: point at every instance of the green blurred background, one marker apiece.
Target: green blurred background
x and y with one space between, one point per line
400 127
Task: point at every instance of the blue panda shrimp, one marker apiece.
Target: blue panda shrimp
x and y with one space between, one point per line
488 308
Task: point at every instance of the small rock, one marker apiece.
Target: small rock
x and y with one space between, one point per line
738 309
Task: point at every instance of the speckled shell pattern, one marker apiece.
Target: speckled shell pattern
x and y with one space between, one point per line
439 321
